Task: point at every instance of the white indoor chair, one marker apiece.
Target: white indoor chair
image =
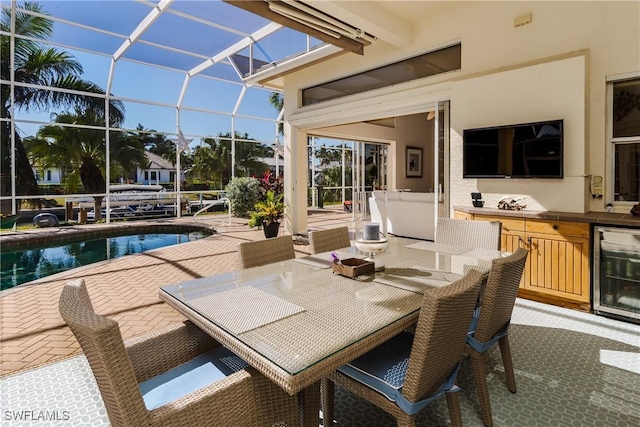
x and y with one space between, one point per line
474 234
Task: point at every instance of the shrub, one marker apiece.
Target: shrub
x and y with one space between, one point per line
243 194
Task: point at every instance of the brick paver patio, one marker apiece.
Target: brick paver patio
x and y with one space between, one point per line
32 332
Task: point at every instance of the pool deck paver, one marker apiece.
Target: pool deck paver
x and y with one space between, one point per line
32 333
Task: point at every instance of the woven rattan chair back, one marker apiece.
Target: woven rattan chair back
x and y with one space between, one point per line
492 326
329 240
261 252
474 234
103 346
440 335
500 294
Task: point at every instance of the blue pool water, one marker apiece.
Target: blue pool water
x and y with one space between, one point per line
30 264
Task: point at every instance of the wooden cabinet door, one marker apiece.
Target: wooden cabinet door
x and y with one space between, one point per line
559 266
512 236
462 215
510 241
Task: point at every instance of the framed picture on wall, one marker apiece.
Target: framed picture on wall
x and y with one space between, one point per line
414 162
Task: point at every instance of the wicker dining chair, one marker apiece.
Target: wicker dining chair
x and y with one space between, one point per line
329 240
261 252
176 376
474 234
408 372
490 324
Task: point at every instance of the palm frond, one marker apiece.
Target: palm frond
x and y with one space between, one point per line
27 24
48 64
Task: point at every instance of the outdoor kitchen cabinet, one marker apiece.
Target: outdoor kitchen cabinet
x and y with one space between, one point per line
557 269
559 261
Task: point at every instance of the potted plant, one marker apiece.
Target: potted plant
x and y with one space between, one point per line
267 214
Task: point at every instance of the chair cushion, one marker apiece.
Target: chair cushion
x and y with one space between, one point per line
385 367
483 347
189 377
474 321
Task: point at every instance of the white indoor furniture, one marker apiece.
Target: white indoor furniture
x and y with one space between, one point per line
407 214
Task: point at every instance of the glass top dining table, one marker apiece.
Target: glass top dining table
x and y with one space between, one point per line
296 321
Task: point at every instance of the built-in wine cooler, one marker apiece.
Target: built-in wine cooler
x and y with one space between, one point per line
616 261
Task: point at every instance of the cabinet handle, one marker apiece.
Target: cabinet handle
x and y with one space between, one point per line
524 244
554 226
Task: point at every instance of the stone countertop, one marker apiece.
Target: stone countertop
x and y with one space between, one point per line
596 218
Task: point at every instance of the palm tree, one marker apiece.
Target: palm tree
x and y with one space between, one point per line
328 155
82 152
248 155
37 64
126 152
213 160
205 165
156 142
276 100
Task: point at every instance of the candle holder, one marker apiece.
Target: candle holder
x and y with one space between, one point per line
372 247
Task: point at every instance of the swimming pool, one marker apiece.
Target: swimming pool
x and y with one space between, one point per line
25 265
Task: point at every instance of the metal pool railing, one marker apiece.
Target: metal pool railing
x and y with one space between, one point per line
210 204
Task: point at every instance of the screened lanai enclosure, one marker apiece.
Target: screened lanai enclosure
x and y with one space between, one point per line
103 97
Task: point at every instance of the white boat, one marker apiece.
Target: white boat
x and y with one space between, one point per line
133 200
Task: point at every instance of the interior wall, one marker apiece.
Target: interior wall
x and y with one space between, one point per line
414 131
547 91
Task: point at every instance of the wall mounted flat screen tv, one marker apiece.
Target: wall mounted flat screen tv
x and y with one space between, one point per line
529 150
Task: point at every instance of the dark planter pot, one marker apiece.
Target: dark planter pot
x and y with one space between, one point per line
271 230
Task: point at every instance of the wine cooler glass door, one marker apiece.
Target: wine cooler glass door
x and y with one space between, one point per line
617 271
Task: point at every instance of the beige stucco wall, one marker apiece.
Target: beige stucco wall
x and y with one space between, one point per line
608 31
548 91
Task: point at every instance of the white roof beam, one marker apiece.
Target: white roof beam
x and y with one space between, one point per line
369 17
291 64
142 27
183 91
235 48
239 101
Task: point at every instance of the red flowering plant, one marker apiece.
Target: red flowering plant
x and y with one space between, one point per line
267 183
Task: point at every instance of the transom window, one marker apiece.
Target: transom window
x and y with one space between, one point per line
428 64
625 136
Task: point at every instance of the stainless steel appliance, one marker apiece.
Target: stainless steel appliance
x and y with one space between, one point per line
616 273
